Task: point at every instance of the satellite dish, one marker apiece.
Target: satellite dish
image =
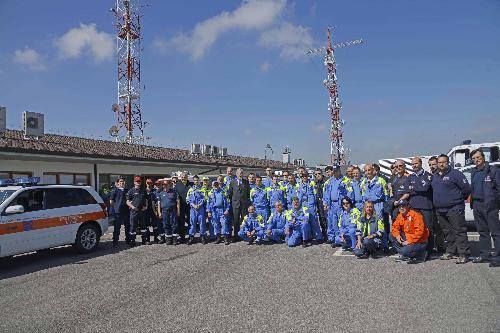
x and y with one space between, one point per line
115 107
113 131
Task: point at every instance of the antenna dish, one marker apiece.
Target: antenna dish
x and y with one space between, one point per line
115 108
113 131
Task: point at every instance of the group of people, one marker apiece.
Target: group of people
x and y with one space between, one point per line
363 212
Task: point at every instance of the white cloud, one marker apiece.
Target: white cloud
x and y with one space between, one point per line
250 15
77 40
160 44
264 67
292 41
29 58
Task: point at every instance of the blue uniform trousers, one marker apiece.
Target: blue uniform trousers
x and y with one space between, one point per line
197 217
369 246
220 222
333 220
410 251
120 219
243 235
169 222
349 238
297 235
277 235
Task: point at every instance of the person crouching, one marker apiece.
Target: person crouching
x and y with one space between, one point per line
371 233
252 227
348 224
275 230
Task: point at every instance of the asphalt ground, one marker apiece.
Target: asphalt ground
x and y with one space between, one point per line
242 288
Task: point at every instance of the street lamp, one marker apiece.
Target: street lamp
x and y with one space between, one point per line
268 146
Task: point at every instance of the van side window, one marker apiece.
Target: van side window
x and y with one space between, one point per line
61 197
31 200
85 197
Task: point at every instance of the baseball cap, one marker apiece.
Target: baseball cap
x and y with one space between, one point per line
149 181
404 203
137 179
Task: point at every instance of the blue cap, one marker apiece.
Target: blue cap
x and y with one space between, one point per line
336 167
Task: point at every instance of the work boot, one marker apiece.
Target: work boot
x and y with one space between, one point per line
218 240
495 263
156 240
174 240
462 259
250 242
447 256
169 241
306 243
162 240
227 240
203 240
131 243
363 256
401 259
190 240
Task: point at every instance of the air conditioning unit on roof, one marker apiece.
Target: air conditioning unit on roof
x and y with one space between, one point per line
195 148
3 119
223 151
33 124
206 149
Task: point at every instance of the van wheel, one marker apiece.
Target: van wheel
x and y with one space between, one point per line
87 239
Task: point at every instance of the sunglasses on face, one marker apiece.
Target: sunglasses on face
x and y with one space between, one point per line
346 203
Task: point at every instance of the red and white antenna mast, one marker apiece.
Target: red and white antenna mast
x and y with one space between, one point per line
128 51
339 155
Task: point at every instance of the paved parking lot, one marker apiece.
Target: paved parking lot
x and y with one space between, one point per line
240 288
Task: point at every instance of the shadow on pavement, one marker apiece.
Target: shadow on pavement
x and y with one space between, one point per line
36 261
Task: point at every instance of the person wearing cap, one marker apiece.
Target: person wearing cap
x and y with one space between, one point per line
335 188
218 211
485 202
138 204
169 207
450 189
252 228
370 233
197 200
275 230
276 193
258 198
150 214
409 234
297 228
118 200
268 180
307 199
348 223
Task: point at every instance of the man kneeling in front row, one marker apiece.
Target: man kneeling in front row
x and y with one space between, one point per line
410 235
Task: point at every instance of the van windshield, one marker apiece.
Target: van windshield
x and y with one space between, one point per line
5 194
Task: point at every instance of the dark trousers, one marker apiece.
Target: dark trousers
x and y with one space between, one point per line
169 222
416 250
181 221
137 219
322 218
438 233
455 231
239 214
488 227
429 223
119 220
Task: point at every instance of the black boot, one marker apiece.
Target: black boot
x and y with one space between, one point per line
169 241
131 243
156 240
162 240
227 240
190 240
218 240
174 240
203 240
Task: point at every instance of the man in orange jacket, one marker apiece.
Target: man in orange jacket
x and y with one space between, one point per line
409 235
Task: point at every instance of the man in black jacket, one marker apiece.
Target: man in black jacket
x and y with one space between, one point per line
182 187
239 194
485 201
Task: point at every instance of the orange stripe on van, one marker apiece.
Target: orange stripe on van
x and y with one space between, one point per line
38 224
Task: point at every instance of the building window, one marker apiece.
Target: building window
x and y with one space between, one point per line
15 174
63 178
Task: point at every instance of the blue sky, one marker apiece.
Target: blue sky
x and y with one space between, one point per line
233 73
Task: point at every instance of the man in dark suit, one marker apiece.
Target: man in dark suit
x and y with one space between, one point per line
239 193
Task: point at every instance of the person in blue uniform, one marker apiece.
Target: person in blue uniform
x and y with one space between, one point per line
275 229
268 179
218 211
197 201
252 228
138 204
450 189
297 228
348 224
334 190
485 202
118 200
258 198
169 207
307 199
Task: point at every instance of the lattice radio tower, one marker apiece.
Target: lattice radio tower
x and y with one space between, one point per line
339 154
128 51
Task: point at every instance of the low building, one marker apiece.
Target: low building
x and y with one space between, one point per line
59 159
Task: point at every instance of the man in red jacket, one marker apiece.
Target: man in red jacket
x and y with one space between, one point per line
409 235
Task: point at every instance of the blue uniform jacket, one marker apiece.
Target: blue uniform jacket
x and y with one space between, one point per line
295 218
306 196
276 194
374 190
267 181
215 198
195 196
276 221
291 191
491 186
334 190
449 190
421 190
258 197
252 222
349 219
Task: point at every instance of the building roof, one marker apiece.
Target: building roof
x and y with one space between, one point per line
62 145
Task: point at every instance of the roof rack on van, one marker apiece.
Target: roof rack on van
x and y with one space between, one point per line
27 181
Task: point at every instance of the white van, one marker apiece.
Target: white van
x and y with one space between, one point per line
35 217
